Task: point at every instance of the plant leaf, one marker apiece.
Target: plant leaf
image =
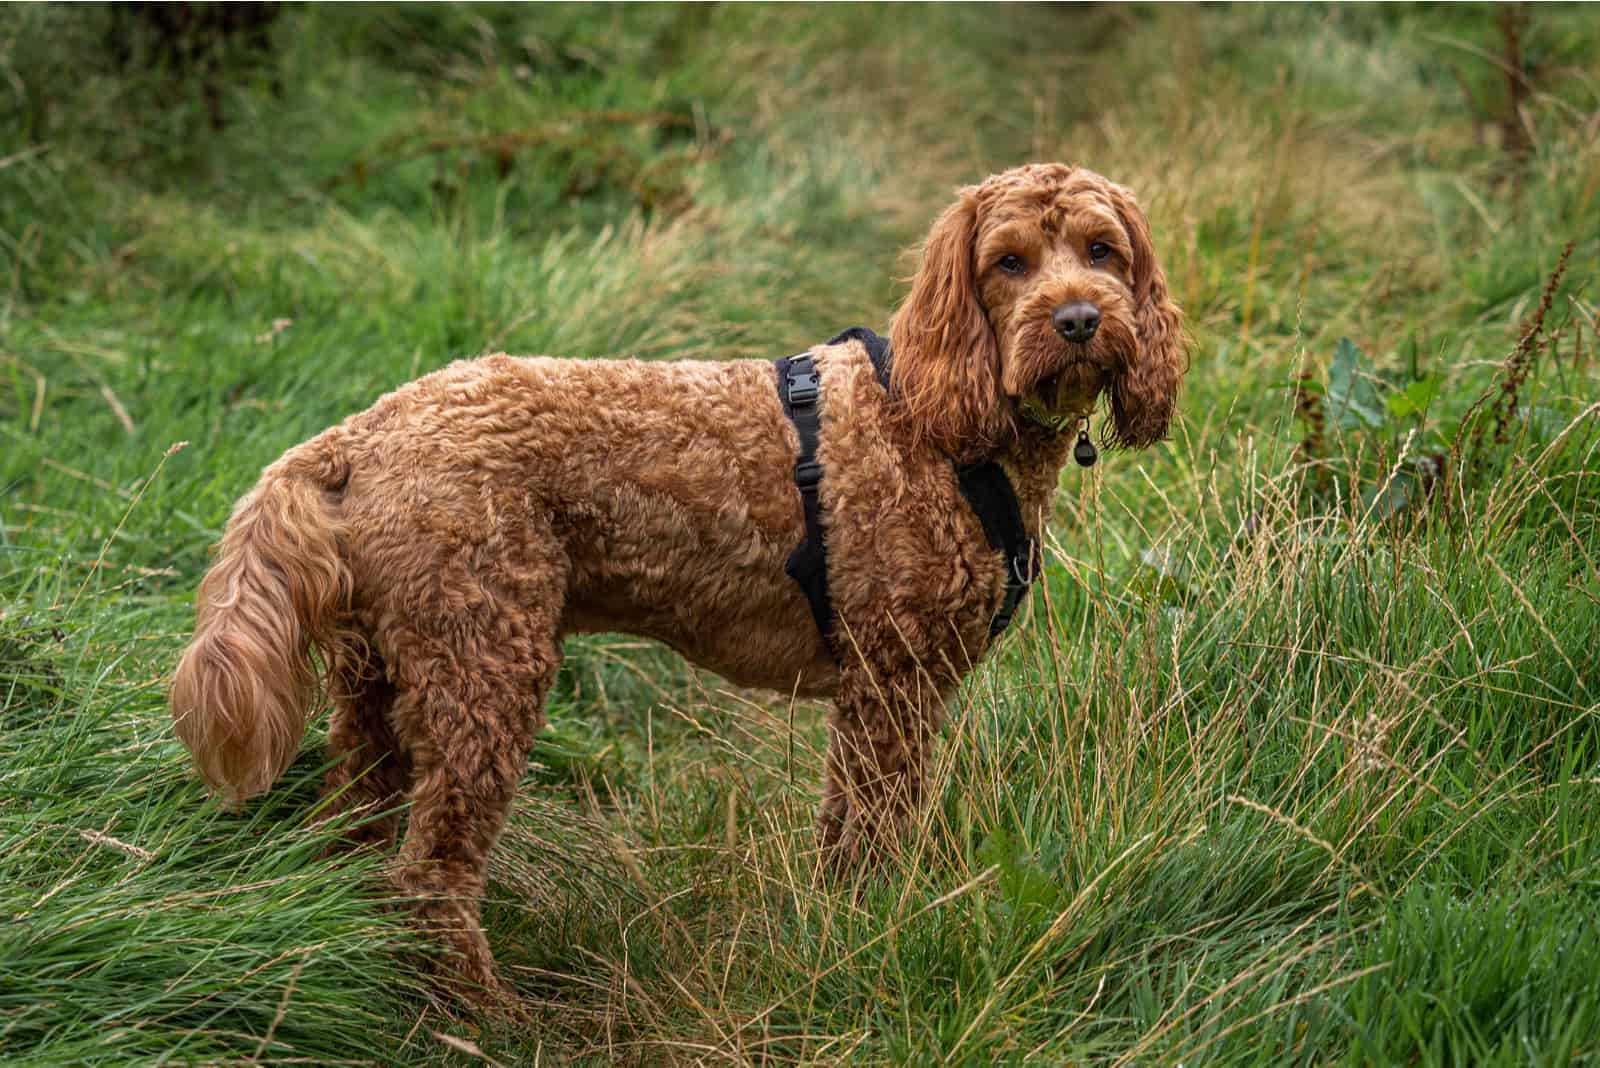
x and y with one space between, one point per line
1415 398
1352 397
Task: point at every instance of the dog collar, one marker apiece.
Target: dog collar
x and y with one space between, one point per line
1035 412
1084 451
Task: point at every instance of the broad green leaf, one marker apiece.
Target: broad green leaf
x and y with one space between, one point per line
1352 397
1415 398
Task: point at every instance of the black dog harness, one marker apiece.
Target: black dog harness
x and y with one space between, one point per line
985 486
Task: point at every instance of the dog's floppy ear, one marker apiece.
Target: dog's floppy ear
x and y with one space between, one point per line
946 371
1144 393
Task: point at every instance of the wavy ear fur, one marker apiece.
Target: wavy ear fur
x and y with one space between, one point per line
946 370
1144 394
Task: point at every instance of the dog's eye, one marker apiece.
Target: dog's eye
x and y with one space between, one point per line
1098 250
1011 263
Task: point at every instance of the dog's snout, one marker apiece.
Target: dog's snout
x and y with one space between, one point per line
1076 321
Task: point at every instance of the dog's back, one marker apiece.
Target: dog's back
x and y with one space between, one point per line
652 498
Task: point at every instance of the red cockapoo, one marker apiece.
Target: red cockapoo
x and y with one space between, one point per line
437 547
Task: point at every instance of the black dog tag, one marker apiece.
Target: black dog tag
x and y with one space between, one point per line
1084 452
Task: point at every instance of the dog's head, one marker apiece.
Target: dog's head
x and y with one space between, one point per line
1039 288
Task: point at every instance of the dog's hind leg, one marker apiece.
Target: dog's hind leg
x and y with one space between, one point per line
372 771
472 679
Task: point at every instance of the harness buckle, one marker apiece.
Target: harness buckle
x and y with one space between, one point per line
803 386
807 474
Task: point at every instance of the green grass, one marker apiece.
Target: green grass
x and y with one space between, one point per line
1290 760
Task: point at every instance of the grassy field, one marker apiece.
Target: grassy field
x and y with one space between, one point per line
1295 758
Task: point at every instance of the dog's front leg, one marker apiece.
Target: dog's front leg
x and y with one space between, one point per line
878 740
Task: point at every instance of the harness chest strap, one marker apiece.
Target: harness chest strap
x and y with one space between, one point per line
989 494
987 490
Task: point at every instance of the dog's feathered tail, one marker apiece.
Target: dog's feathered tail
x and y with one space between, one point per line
246 684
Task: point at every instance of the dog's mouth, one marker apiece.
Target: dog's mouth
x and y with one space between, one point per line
1049 403
1047 392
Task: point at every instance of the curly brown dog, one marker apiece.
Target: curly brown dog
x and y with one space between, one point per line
437 547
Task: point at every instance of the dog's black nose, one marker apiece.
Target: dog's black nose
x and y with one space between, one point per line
1076 321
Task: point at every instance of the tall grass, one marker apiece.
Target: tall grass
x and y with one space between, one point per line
1294 757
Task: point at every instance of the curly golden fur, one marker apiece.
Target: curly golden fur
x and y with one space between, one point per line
437 547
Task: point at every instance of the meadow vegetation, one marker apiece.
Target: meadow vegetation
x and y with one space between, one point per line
1295 757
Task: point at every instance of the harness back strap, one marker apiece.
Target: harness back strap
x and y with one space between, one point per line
799 387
